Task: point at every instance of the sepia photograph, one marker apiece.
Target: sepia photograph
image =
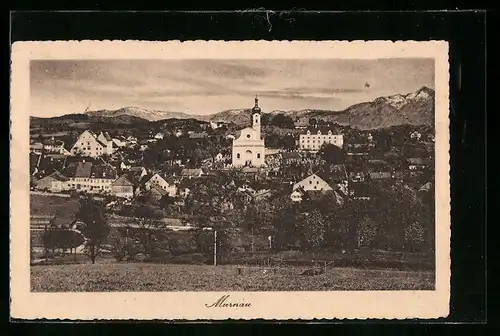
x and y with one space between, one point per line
233 174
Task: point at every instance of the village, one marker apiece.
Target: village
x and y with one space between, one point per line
213 175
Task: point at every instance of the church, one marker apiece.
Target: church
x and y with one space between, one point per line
248 148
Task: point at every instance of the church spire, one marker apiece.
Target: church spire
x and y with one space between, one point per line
256 108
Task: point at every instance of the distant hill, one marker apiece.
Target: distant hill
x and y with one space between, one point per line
151 115
85 119
415 108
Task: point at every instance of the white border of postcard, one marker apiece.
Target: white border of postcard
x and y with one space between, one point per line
191 305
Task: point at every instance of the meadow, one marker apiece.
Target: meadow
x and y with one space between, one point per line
108 277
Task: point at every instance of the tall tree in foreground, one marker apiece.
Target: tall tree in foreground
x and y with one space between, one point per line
95 226
146 219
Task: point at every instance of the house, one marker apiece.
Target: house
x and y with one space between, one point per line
357 176
415 135
124 166
123 187
429 186
315 137
178 133
87 177
417 163
34 163
131 140
215 125
89 144
138 171
156 193
301 123
219 157
195 135
55 146
312 182
291 157
159 136
192 173
297 195
54 182
162 183
119 142
36 147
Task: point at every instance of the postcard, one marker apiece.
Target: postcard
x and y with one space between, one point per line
214 180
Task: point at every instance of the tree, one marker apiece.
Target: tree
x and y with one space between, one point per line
145 232
414 236
332 154
313 229
283 121
285 223
121 246
366 232
95 226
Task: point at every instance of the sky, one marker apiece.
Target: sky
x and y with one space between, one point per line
202 86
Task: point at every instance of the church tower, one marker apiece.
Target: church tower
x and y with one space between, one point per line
256 117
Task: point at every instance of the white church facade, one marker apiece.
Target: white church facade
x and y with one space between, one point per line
249 148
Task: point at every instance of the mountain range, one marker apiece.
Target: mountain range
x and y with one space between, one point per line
416 108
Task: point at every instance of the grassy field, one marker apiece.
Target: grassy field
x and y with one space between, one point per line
52 205
154 277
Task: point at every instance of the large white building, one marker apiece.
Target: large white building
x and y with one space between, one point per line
249 148
315 137
89 144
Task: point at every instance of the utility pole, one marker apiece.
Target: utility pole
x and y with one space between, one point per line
215 248
252 238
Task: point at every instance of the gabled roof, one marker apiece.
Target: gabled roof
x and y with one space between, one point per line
135 177
157 190
122 181
52 142
296 185
89 170
101 143
103 171
426 187
83 169
36 145
191 172
137 169
58 176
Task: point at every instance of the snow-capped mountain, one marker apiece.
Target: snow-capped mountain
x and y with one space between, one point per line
415 108
151 115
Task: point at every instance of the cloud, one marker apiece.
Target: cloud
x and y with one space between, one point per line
209 86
